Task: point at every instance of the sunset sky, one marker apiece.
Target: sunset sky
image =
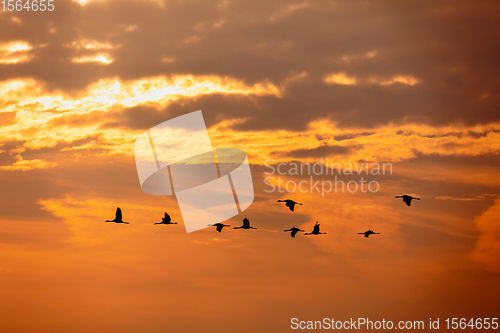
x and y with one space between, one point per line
414 84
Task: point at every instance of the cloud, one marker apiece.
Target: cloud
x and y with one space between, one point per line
487 249
403 79
390 144
474 198
108 92
101 112
343 79
102 58
339 78
348 58
89 44
288 10
321 151
26 165
15 52
433 77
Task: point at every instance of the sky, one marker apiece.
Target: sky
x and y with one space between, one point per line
412 85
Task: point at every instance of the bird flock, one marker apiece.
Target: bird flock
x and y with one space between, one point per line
246 222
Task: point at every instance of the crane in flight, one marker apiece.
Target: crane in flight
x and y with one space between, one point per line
118 217
219 226
294 231
245 225
290 203
407 198
368 233
315 230
166 220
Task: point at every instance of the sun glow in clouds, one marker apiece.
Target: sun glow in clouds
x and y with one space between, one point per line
15 52
103 59
107 92
86 2
343 79
91 45
44 117
408 80
340 78
25 165
356 57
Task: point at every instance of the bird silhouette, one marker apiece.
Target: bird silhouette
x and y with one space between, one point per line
290 203
406 198
368 233
118 217
166 220
245 225
219 226
294 231
315 230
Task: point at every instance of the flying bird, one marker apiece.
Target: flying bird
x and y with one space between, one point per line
368 233
245 225
315 230
118 217
219 226
166 220
294 231
407 198
290 203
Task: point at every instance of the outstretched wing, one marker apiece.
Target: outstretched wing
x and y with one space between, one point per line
407 200
246 222
167 218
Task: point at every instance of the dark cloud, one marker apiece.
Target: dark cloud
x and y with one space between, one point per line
6 156
452 48
475 162
322 151
351 136
453 145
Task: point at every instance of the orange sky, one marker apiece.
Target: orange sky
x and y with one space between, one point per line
412 84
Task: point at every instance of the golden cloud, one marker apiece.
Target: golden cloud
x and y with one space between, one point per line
26 165
38 111
160 3
15 52
389 143
403 79
343 79
348 58
37 108
102 58
90 44
340 78
487 249
31 95
474 198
